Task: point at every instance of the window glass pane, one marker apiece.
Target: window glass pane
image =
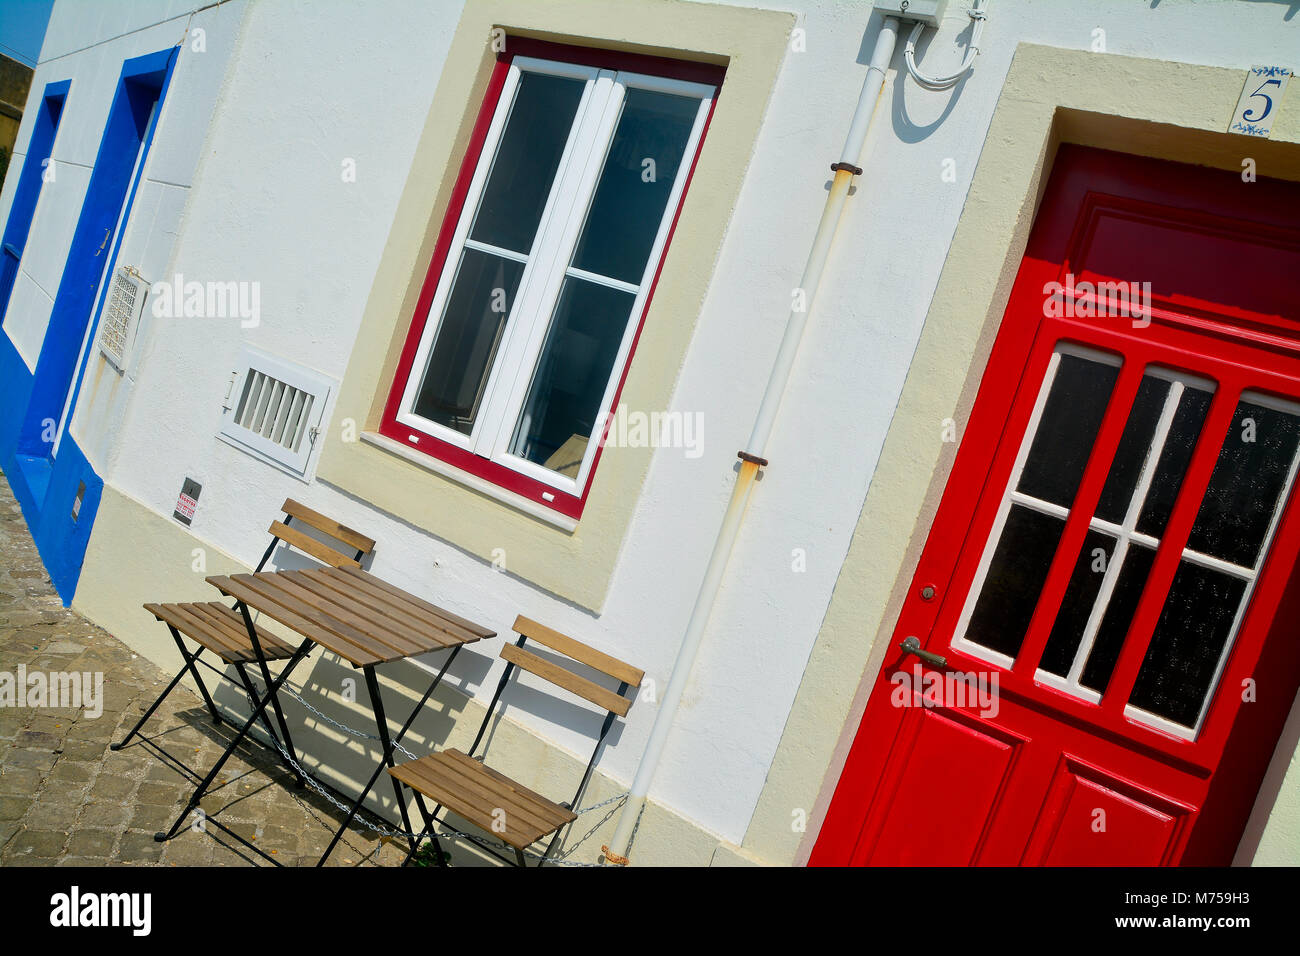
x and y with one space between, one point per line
1119 615
527 157
1185 648
640 168
1133 449
576 362
1247 482
462 354
1070 420
1174 459
1077 605
1014 579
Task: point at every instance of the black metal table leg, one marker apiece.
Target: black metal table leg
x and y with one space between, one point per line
250 688
388 750
376 701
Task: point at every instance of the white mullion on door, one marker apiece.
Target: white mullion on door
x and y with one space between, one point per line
460 241
597 131
1123 541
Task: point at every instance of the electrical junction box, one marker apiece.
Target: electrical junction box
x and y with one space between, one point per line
929 12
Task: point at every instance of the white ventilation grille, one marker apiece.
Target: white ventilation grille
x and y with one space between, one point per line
121 315
274 409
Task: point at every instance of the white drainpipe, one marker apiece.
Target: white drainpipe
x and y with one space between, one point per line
752 459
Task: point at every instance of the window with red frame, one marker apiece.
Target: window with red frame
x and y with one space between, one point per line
546 263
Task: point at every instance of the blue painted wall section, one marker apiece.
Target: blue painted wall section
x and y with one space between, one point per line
45 485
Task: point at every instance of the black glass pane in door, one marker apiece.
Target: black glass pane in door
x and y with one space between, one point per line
1076 607
1134 446
1014 580
1068 427
1174 459
1118 616
1184 651
1247 481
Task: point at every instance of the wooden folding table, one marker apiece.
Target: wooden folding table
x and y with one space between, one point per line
358 617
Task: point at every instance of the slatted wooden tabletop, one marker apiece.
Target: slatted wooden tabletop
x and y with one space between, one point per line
352 613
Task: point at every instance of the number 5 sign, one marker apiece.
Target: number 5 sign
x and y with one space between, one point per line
1260 99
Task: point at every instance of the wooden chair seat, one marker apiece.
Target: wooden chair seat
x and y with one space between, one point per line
484 797
221 630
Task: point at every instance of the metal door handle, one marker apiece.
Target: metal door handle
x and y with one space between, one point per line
912 645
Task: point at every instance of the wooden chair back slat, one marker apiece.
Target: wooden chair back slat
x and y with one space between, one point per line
339 532
588 690
578 651
309 545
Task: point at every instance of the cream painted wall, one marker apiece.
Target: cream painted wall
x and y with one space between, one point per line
310 85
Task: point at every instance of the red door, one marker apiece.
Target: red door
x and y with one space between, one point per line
1110 578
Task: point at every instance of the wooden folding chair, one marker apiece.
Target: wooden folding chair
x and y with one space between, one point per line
490 800
223 629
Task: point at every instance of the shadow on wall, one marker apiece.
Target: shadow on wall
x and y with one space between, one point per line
1292 6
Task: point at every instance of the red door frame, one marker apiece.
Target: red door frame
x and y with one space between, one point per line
1240 340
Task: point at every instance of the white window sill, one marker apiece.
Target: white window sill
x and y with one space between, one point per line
473 482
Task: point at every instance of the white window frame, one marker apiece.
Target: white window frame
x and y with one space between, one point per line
529 317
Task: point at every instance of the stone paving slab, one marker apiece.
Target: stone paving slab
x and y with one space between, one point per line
66 799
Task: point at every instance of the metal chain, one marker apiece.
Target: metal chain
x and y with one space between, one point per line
342 726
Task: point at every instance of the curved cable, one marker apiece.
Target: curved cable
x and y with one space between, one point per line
976 13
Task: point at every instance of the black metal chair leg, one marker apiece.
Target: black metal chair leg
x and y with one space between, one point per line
188 664
259 708
149 713
194 672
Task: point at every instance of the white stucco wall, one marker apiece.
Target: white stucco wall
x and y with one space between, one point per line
312 84
87 42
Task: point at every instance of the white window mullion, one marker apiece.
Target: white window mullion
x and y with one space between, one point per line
532 287
1136 504
659 248
595 130
461 241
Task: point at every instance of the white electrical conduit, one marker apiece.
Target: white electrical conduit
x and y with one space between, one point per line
752 459
977 14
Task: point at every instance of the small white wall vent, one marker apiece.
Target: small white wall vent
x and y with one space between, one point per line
121 316
274 409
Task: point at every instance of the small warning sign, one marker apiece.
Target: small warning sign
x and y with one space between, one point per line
188 501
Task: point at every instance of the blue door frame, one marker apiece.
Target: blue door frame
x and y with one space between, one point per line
49 488
30 180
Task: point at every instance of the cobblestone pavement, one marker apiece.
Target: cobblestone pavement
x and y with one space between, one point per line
66 799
